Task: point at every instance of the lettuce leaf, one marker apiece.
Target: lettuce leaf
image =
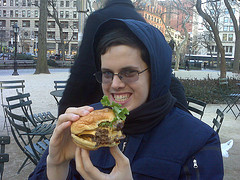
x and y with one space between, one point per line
119 112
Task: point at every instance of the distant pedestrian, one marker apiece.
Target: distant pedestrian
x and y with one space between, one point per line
205 65
187 65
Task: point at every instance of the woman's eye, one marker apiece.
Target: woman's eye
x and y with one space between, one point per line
107 74
129 73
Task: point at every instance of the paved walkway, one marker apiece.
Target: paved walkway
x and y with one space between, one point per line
40 86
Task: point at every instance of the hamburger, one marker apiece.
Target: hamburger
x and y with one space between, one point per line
100 128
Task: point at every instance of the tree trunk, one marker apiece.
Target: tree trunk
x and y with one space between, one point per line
42 66
216 37
237 40
236 67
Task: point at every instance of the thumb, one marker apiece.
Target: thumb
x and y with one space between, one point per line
120 158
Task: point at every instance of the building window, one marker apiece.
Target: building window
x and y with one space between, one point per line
12 22
224 37
65 35
67 3
36 24
230 49
74 3
4 2
225 28
225 19
226 11
23 2
61 3
16 13
75 25
61 14
11 13
23 13
29 2
25 23
230 37
29 13
67 14
36 3
4 13
3 23
36 13
51 24
51 35
74 14
0 13
231 28
35 34
16 3
75 36
11 2
64 24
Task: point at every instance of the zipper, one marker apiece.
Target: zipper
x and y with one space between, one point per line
195 163
195 166
125 141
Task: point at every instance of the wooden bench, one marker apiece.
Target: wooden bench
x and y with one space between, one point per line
6 64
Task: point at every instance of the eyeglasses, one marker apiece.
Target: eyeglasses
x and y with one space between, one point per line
126 76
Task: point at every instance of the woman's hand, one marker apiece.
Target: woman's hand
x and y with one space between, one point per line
121 170
61 147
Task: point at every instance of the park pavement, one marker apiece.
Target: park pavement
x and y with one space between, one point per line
40 86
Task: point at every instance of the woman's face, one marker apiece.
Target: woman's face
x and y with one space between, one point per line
118 59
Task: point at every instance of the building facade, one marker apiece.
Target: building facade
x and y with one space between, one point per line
201 35
25 13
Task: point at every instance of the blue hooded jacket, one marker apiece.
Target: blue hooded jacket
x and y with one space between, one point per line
179 147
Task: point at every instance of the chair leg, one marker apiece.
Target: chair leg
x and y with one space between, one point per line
23 164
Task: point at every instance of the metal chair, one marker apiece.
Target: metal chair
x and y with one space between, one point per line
25 103
217 123
229 97
59 87
4 157
196 106
10 85
23 107
24 137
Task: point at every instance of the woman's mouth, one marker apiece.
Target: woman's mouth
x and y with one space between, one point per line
120 98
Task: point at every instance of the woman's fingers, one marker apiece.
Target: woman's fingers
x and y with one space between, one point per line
82 111
121 159
73 114
85 167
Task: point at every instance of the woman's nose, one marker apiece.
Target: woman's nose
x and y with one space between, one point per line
117 82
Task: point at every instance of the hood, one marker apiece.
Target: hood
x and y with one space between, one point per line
159 51
114 2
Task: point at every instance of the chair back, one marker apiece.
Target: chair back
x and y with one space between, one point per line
196 106
4 157
10 85
60 85
218 120
21 101
22 135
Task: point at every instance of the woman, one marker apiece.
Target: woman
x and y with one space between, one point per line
162 140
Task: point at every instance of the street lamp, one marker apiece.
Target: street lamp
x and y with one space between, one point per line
15 30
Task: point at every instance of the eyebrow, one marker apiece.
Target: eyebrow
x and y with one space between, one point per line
122 69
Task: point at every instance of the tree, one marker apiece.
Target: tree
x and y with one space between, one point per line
215 31
237 35
42 66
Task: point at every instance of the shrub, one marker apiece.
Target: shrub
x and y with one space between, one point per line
208 90
52 63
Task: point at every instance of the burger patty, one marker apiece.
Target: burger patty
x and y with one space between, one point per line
102 137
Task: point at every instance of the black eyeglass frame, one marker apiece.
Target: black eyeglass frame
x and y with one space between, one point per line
98 76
